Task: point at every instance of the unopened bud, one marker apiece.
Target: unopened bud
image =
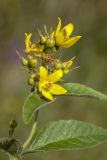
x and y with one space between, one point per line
32 62
57 64
50 43
24 61
13 124
31 81
36 77
43 39
66 71
33 75
64 65
67 65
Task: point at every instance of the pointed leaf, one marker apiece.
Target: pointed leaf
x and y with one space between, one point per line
75 89
32 103
67 134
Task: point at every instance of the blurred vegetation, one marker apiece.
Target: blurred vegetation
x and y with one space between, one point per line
89 19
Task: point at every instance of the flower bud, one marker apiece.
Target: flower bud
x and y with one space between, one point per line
31 81
66 71
24 61
32 62
13 124
41 46
43 39
67 65
36 78
57 64
33 75
50 43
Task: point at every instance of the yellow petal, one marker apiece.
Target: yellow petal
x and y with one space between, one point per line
55 76
67 30
64 34
57 89
70 42
59 40
47 94
30 48
43 74
58 27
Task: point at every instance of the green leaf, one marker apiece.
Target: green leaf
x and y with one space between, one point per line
32 103
75 89
12 146
67 134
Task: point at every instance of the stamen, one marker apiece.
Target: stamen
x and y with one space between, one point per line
48 84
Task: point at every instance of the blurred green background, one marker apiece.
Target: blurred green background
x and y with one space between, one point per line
90 21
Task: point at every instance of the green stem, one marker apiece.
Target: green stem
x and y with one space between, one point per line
32 133
27 142
30 136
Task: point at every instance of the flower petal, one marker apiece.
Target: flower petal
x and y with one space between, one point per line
47 94
29 47
67 30
58 27
55 76
70 42
57 89
61 37
42 74
64 34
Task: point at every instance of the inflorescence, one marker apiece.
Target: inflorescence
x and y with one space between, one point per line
44 69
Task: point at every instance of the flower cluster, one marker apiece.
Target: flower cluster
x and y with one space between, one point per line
43 66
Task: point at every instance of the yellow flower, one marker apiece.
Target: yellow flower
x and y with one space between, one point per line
29 47
62 36
46 83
